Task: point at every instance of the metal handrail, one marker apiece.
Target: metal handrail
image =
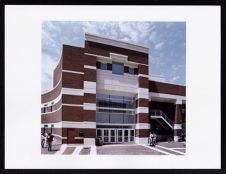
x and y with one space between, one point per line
158 112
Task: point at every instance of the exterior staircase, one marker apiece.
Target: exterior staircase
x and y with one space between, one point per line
161 118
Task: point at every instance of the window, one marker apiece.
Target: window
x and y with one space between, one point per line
103 66
131 70
117 68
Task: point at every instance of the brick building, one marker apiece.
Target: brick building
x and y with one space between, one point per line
104 90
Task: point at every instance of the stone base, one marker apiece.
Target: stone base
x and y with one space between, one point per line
89 141
143 140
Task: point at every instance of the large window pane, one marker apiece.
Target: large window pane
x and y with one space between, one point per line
117 68
103 66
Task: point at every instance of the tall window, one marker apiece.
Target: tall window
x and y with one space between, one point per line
117 68
131 70
103 66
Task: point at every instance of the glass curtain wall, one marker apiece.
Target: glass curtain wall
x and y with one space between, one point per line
115 109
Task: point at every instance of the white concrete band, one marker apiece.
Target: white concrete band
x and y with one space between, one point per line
142 110
142 126
143 140
143 75
118 57
143 93
45 92
52 102
89 106
89 87
89 67
117 43
72 91
178 102
52 111
176 138
89 141
177 126
64 104
167 96
74 72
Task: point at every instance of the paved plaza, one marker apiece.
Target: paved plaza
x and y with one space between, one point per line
162 148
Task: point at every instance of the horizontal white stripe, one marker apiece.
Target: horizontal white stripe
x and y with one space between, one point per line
121 109
90 67
142 126
143 75
143 93
72 91
176 138
143 140
64 104
90 91
177 126
170 149
89 141
89 106
114 124
44 92
52 111
70 124
142 110
75 72
178 102
167 96
88 84
54 101
158 150
117 43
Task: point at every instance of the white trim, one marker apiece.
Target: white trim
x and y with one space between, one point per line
89 106
116 43
178 102
89 141
143 93
176 138
177 126
62 149
77 150
142 126
90 87
93 150
118 57
141 140
52 111
121 109
72 91
167 96
56 100
90 67
74 72
100 57
64 104
143 75
142 110
56 125
158 150
114 124
45 92
170 149
71 124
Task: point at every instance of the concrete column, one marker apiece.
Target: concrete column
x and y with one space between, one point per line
178 121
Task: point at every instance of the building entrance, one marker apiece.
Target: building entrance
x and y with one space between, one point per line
110 135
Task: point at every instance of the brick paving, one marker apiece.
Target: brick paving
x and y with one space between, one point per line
162 148
126 150
85 151
55 148
69 150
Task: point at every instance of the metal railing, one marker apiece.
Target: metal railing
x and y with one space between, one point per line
160 113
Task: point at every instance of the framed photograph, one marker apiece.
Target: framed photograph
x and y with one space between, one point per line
113 87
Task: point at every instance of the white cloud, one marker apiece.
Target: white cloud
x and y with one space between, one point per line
174 79
159 45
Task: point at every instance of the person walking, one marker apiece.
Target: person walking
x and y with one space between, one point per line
49 141
42 140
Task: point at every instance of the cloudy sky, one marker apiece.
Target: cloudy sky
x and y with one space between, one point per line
166 42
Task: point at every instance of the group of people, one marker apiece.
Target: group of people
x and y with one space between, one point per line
47 139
